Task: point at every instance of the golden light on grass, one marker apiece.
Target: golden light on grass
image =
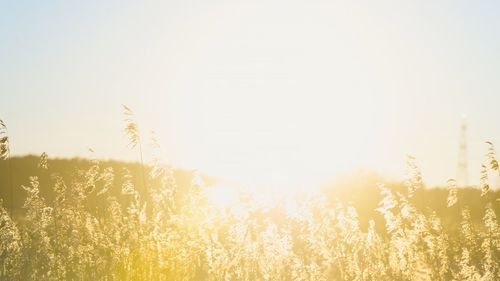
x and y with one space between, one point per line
281 129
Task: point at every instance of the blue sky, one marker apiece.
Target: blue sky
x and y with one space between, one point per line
239 88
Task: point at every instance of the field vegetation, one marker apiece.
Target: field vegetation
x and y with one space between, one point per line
104 220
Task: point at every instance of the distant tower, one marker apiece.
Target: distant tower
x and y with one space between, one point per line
462 174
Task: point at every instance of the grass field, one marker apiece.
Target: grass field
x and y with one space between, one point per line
100 221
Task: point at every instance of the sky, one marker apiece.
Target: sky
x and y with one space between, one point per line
276 93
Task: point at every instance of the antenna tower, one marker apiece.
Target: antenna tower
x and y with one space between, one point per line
462 174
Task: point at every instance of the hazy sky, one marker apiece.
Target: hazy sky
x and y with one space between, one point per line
275 92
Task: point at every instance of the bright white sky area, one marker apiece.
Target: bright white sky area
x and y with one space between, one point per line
282 93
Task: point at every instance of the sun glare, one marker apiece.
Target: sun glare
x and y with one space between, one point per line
222 196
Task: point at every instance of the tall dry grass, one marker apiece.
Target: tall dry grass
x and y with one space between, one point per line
174 237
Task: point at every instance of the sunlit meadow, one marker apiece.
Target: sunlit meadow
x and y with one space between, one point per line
249 140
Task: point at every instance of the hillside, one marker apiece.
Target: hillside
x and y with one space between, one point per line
24 167
361 192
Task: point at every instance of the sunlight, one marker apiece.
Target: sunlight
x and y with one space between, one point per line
222 196
249 140
284 151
